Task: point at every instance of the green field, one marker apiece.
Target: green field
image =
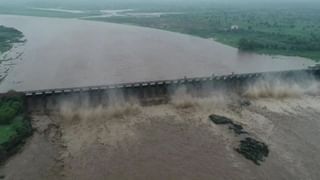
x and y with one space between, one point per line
14 126
8 36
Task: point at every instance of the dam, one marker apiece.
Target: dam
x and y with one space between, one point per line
158 92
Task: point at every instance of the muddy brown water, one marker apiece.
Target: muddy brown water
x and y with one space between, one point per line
62 53
172 141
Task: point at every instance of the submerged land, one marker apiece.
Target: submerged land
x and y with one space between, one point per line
8 37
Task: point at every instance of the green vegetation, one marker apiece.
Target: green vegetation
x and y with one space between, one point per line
9 108
250 148
221 120
14 126
253 150
288 31
8 36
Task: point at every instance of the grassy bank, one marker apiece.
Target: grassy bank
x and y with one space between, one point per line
15 127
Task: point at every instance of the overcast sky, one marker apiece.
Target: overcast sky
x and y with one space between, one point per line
158 1
106 2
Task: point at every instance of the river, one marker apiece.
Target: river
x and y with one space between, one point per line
61 53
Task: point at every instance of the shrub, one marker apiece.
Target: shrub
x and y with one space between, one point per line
14 125
253 150
248 44
10 107
13 136
7 114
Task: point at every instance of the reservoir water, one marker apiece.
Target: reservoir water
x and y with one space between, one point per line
61 53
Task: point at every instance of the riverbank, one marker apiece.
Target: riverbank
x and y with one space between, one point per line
8 37
15 126
11 49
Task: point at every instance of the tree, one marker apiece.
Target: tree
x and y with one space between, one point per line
248 45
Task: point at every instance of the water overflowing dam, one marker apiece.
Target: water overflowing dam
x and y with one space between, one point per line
155 92
77 137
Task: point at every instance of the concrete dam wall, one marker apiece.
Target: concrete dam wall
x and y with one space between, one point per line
157 92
